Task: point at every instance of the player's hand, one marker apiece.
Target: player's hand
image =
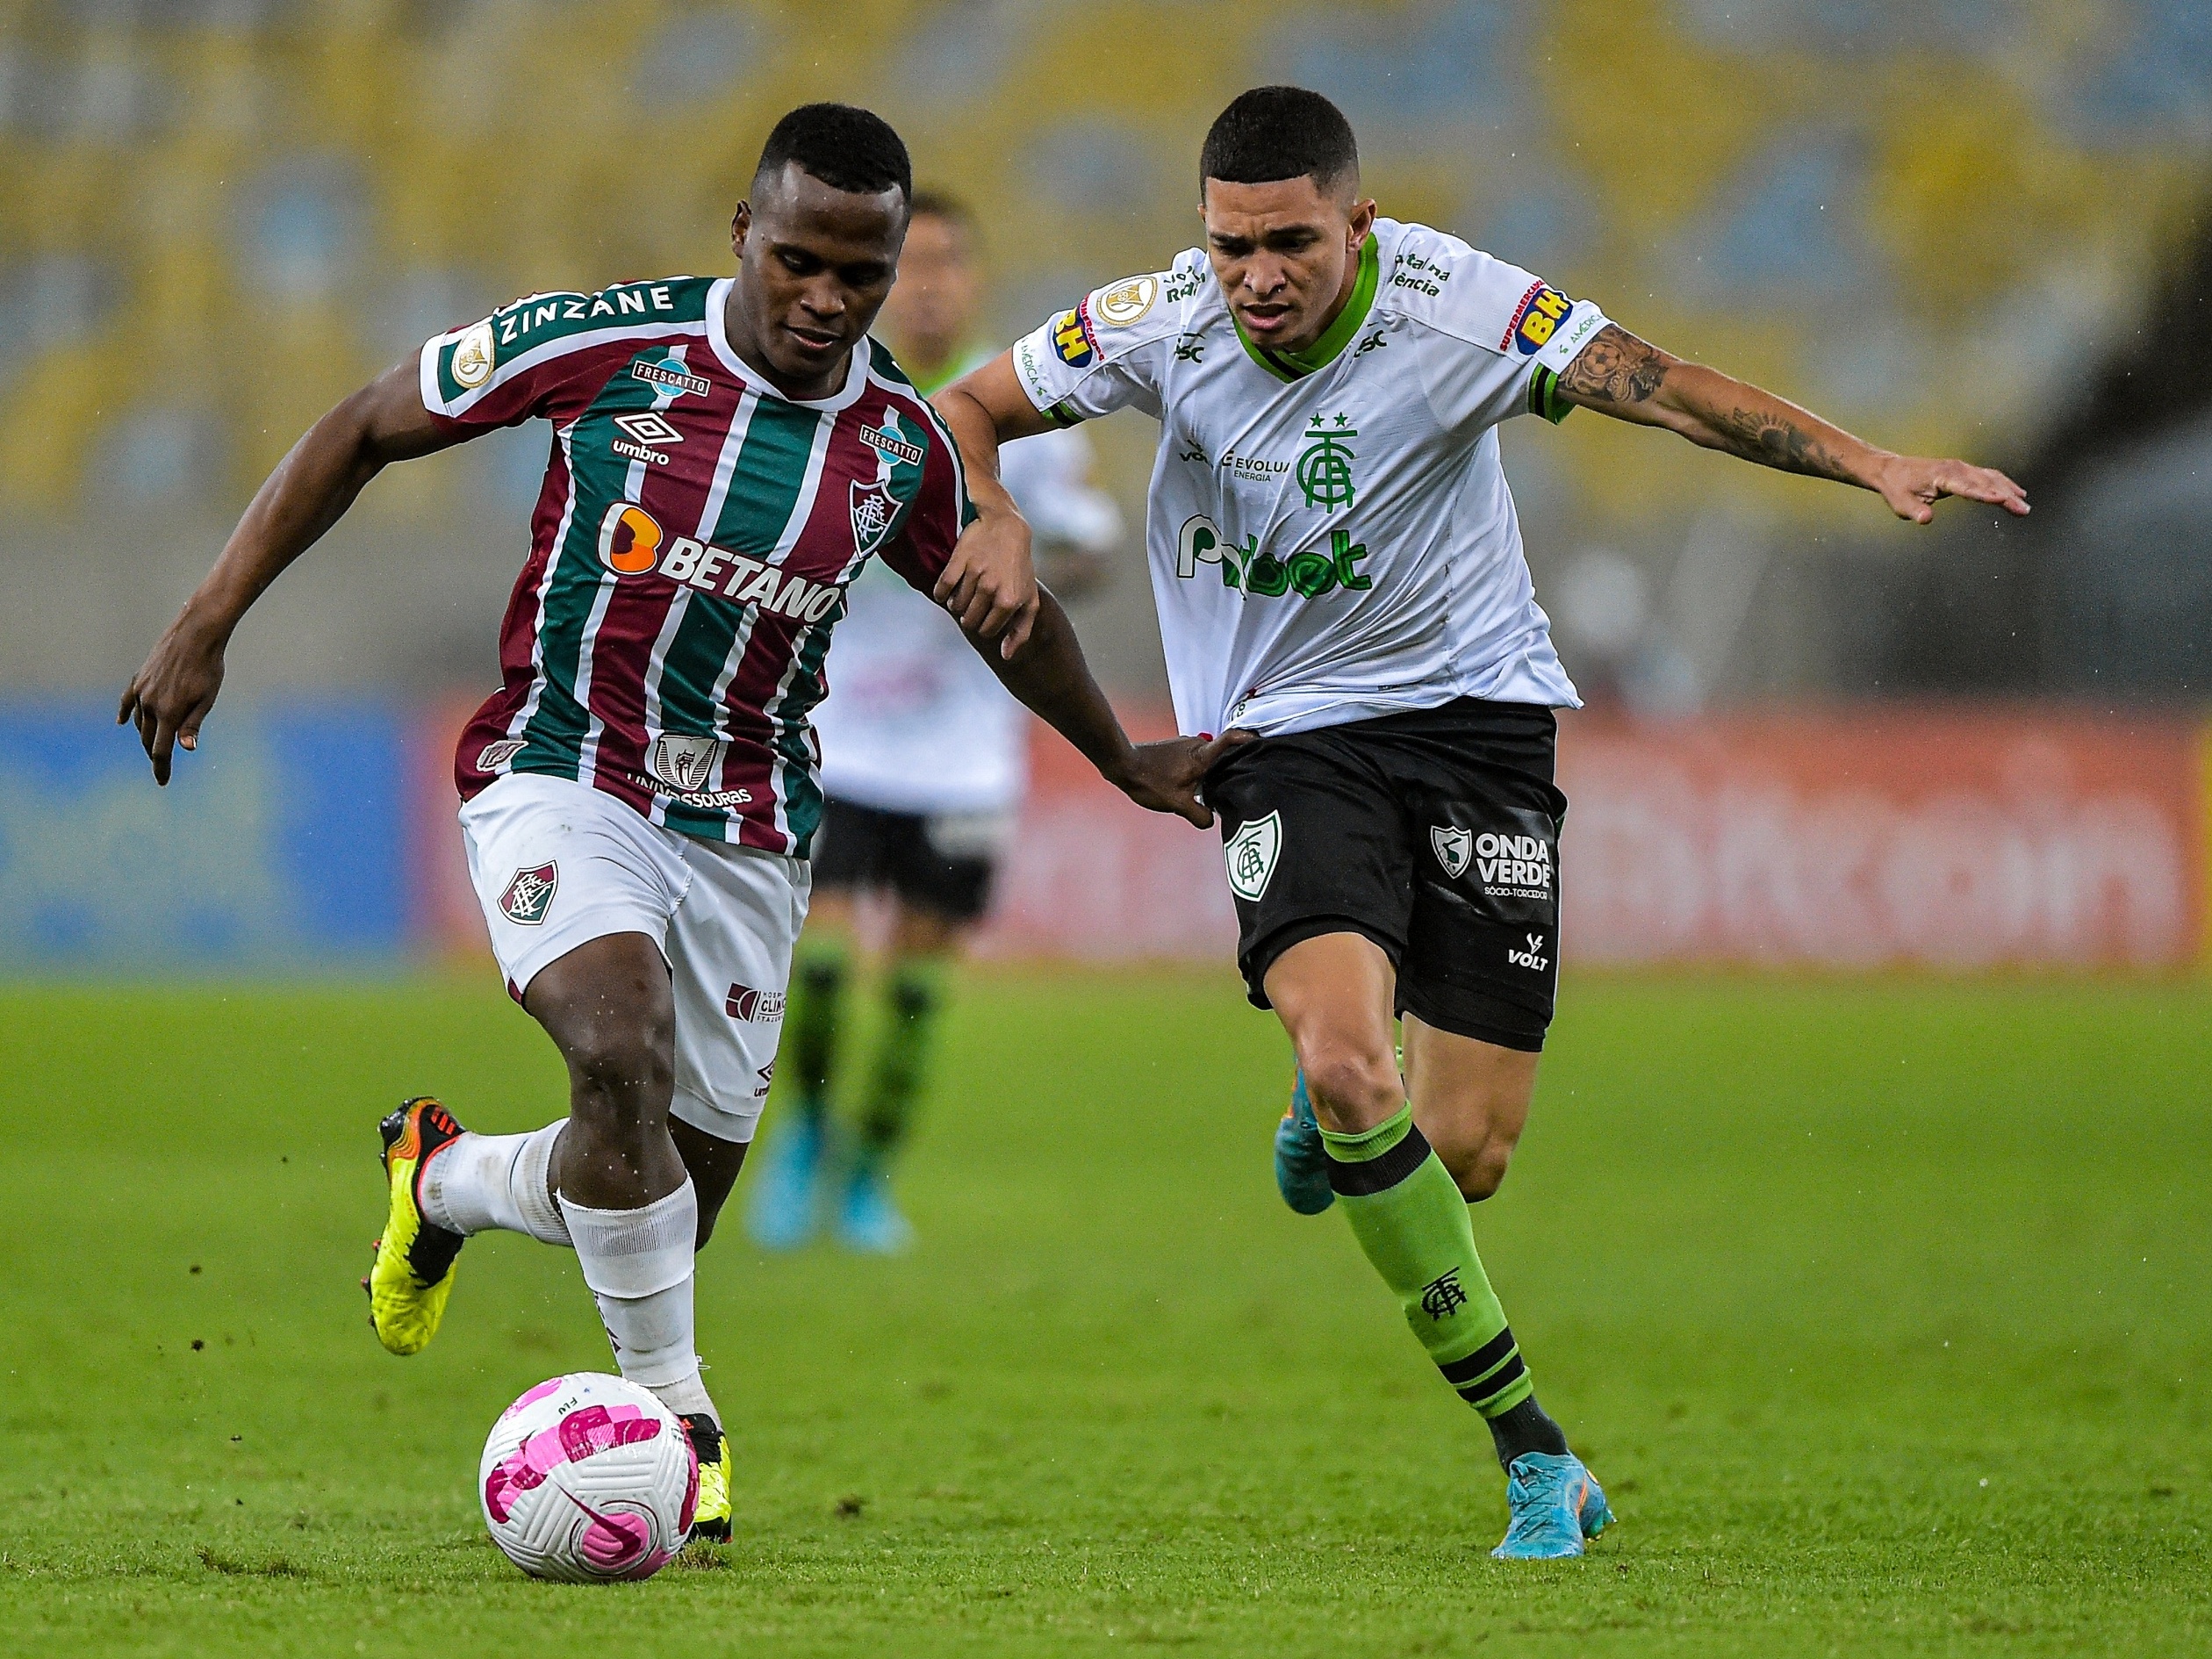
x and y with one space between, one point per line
1913 485
1164 777
169 697
989 583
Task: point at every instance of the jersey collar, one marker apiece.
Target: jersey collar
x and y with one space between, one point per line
856 380
1296 366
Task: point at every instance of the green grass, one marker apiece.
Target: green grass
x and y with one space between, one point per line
1885 1310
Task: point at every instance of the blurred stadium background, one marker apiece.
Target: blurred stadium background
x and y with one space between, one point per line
1958 225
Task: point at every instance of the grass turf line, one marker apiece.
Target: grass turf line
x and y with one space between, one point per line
1882 1309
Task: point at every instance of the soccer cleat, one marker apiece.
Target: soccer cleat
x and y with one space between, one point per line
710 1521
1302 1162
413 1277
868 1217
1556 1505
786 1201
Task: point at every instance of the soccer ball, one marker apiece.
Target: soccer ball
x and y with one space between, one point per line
588 1477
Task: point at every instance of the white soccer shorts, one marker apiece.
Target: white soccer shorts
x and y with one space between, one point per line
557 864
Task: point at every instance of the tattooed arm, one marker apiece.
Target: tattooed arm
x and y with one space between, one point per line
1619 375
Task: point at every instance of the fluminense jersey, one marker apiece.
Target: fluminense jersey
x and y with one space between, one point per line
1330 533
690 551
915 722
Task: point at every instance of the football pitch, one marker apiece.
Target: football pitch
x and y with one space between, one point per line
1884 1310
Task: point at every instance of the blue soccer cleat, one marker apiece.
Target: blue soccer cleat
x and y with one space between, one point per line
868 1217
786 1203
1302 1162
1557 1506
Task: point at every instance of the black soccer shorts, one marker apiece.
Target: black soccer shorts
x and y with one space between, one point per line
1434 832
944 863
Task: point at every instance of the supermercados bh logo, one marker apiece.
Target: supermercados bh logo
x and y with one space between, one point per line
1535 319
1308 572
1074 340
529 894
878 502
1324 465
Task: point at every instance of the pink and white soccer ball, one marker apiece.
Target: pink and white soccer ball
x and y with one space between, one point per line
587 1477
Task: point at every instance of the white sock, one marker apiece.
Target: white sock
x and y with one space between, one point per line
486 1181
638 1263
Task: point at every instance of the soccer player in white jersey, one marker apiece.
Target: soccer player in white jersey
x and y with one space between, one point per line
1340 576
727 455
924 761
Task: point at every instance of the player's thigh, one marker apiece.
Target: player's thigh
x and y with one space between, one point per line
1471 1099
1314 843
557 865
1332 993
847 851
729 947
941 868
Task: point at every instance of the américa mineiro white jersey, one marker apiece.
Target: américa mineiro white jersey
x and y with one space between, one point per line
1330 533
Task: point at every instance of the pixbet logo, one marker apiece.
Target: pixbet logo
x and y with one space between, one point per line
1532 957
1309 573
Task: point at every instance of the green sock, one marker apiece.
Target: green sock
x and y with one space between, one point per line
814 1022
1408 1217
912 995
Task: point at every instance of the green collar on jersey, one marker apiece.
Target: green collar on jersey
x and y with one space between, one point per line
1296 366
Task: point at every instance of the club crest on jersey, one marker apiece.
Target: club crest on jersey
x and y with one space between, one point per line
530 895
1541 310
1454 846
1250 857
876 502
1074 343
1324 465
685 763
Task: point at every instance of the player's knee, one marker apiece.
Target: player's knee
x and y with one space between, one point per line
1352 1090
1480 1171
621 1070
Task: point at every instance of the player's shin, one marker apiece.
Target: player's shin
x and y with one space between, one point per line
1411 1219
816 1021
913 992
638 1264
483 1182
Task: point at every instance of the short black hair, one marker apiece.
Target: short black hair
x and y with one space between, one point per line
846 148
1275 132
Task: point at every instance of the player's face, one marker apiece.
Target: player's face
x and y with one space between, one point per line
814 264
929 312
1285 254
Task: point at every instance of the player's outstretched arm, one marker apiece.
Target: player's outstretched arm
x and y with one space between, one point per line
1630 380
1049 675
308 492
991 582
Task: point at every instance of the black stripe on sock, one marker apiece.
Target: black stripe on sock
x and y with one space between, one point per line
1491 1355
1497 1383
1379 1175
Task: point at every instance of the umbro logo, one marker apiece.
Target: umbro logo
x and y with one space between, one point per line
645 430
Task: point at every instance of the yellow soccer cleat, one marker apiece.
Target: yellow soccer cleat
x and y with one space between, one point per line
710 1521
413 1273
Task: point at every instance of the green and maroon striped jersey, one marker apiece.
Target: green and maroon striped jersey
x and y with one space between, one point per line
690 551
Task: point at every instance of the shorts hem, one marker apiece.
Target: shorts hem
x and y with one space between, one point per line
723 1123
1263 956
1480 1023
576 930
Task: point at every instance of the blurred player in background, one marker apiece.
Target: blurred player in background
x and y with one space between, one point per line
924 757
1339 573
639 795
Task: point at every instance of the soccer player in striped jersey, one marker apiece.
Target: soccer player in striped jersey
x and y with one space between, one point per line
640 795
1339 572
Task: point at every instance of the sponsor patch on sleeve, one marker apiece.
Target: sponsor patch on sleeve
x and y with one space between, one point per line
1074 340
1540 312
1126 303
